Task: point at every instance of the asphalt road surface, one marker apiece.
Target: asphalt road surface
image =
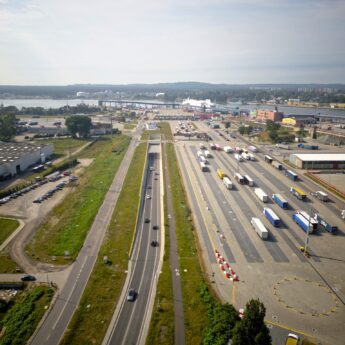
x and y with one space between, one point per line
129 323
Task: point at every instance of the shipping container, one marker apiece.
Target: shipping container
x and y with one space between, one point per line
290 174
268 159
239 178
328 227
271 216
259 227
227 182
280 201
261 194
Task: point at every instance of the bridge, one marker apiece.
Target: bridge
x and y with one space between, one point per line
145 104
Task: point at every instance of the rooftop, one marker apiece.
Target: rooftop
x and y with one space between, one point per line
324 157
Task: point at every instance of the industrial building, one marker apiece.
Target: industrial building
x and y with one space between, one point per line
17 157
272 115
318 161
293 121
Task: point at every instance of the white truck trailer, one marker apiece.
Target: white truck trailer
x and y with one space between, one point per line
261 194
259 228
227 182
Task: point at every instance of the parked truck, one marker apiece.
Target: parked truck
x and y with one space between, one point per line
280 201
227 182
292 339
291 175
298 192
313 223
221 173
321 195
328 227
277 165
261 194
271 216
248 179
228 149
268 159
259 227
308 147
239 178
302 222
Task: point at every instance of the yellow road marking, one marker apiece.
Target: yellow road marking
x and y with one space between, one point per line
290 329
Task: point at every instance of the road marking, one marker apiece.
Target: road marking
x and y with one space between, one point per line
289 329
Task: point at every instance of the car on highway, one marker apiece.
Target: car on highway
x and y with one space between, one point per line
38 200
155 227
149 187
151 168
148 196
154 243
28 278
131 295
147 220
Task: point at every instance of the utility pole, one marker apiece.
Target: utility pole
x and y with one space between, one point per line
308 232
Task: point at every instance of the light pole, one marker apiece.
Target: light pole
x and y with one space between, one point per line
308 232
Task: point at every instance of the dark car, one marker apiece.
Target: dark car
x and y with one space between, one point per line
154 243
131 295
155 227
147 220
28 278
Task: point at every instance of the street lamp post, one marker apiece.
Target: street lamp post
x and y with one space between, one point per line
308 232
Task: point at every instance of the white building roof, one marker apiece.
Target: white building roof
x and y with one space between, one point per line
321 157
198 103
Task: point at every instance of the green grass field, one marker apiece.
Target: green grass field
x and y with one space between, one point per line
195 311
63 146
68 223
164 130
129 126
7 265
7 226
91 320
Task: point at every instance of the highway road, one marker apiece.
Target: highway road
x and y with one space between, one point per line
54 324
128 326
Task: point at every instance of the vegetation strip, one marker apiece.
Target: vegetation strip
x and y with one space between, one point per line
91 320
164 130
7 226
68 223
21 319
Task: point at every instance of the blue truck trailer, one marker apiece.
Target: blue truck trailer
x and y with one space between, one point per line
271 216
308 147
302 222
290 174
321 220
280 201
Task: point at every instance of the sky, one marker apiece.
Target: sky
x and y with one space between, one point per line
60 42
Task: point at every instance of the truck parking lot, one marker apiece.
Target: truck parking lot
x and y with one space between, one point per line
303 294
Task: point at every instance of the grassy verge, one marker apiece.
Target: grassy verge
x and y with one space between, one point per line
7 265
195 310
7 226
129 126
91 319
63 146
161 329
164 130
68 223
20 320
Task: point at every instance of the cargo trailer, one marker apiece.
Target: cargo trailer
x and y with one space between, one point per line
283 146
280 201
252 148
259 227
227 182
321 195
268 159
271 216
261 194
328 227
302 222
290 174
248 179
313 223
277 165
239 178
298 192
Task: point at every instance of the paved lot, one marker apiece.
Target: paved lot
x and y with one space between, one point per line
305 295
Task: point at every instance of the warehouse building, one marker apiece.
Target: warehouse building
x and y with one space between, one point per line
318 161
272 115
17 157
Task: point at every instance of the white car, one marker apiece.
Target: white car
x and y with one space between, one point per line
148 196
151 168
